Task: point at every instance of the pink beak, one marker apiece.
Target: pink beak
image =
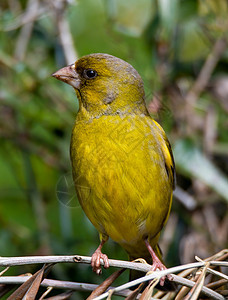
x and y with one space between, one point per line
68 75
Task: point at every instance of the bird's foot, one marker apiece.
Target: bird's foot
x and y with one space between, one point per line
96 263
159 266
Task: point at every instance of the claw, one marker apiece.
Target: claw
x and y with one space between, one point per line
157 264
96 260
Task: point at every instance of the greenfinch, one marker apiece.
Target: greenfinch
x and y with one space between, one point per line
122 162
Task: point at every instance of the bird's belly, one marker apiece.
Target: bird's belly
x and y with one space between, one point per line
122 184
125 213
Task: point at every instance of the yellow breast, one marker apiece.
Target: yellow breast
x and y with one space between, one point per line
122 170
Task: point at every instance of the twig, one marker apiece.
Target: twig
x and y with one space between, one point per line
66 40
214 272
202 80
198 286
210 131
206 71
27 17
26 31
65 35
187 200
58 284
208 292
28 260
121 291
14 261
216 284
3 271
48 290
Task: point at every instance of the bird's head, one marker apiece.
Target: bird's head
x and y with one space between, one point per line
105 85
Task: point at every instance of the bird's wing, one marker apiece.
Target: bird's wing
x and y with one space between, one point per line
167 153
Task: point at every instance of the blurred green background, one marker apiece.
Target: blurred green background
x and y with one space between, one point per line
180 49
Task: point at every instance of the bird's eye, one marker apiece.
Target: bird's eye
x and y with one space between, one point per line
89 73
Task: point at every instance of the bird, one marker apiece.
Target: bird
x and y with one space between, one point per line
122 163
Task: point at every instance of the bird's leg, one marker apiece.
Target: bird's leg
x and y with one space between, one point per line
97 255
157 264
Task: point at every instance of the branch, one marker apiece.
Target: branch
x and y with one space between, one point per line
27 17
122 290
201 82
64 31
158 274
59 284
144 267
28 260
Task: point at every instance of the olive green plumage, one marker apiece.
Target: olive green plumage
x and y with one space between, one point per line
122 162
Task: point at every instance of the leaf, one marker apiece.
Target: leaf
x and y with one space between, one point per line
197 288
192 46
20 293
147 293
168 12
135 292
131 18
29 289
193 163
105 284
